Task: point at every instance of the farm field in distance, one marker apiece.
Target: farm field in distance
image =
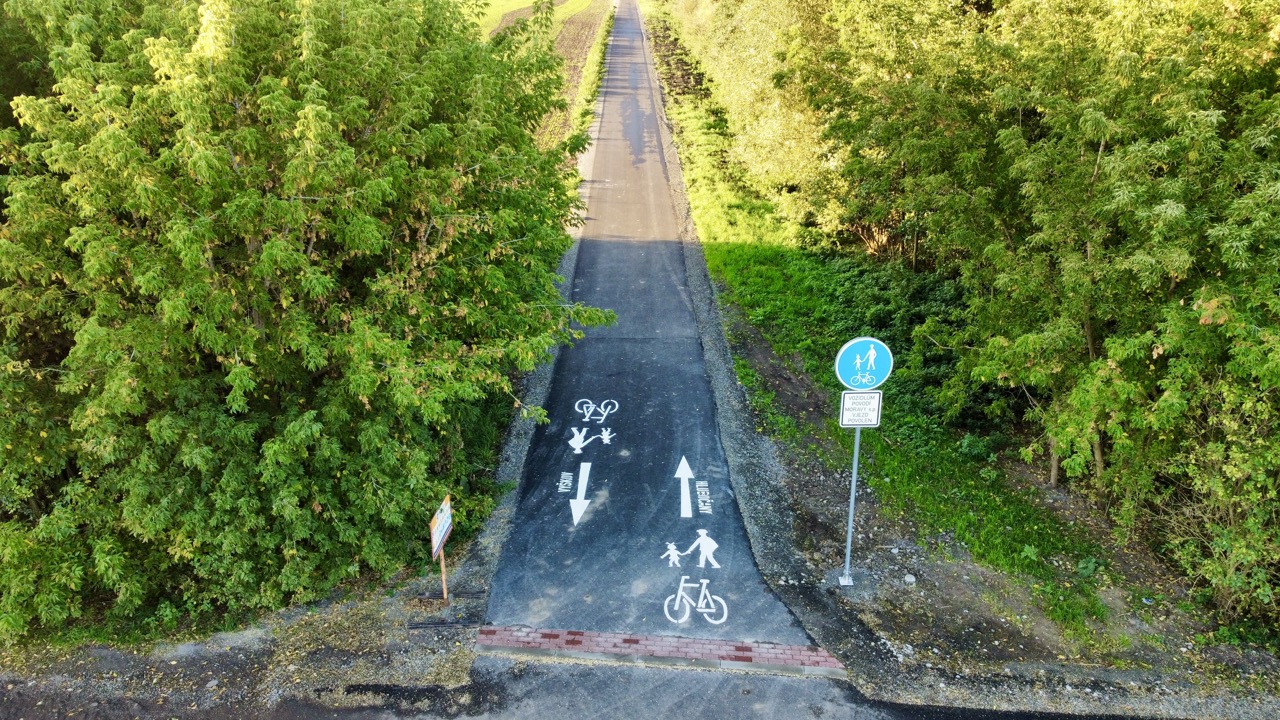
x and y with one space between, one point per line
576 25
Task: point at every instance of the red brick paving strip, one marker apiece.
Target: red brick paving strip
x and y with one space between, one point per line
663 650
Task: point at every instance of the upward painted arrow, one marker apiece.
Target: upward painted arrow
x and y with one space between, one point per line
685 473
579 504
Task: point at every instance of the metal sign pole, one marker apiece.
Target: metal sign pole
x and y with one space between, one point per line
847 579
862 365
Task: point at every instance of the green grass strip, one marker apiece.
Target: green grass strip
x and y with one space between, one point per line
584 106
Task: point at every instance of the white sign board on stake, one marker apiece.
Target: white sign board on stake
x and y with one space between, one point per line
441 526
859 409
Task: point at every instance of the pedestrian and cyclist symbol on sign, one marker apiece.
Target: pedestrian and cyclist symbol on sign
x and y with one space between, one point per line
864 363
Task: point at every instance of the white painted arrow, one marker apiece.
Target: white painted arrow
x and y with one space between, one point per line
685 474
579 504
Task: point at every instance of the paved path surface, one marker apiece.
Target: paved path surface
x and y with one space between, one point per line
628 405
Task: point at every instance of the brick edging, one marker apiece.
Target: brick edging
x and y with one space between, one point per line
662 650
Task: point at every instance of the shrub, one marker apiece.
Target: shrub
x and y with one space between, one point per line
264 265
1100 179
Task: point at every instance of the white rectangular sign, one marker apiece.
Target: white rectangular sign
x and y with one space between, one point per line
860 408
441 526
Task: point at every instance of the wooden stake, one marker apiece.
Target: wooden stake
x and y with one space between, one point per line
444 581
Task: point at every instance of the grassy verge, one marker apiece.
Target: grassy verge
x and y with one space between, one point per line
583 110
807 303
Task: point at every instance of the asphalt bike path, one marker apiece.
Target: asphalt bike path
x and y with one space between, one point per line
605 538
626 521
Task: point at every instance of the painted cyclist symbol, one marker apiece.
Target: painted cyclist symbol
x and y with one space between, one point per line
678 606
591 411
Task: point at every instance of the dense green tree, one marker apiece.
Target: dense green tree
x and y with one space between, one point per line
21 66
1102 178
740 46
263 263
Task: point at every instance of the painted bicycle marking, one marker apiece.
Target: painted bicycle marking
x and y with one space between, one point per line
591 411
678 606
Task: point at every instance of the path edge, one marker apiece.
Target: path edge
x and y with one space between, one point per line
535 386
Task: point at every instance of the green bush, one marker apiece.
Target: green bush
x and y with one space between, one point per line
21 66
1101 180
266 264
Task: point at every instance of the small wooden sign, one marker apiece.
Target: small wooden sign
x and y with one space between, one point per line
441 526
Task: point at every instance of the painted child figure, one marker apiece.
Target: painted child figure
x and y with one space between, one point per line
672 555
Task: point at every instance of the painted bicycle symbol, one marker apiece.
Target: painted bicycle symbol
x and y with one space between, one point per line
677 606
591 411
864 379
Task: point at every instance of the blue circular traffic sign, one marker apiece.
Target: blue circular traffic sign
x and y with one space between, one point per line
864 363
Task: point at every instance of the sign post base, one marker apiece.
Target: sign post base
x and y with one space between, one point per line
444 579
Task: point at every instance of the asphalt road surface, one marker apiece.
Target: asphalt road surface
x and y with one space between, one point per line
625 493
625 520
505 688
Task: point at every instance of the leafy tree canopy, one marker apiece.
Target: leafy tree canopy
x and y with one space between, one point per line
1102 179
262 264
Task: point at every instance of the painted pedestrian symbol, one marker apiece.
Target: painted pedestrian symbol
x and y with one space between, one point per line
672 555
591 411
706 548
868 377
864 363
580 439
678 605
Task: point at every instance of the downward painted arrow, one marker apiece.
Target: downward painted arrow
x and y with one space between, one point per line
579 504
685 474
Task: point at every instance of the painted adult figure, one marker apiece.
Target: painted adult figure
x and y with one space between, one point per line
871 357
706 549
